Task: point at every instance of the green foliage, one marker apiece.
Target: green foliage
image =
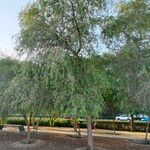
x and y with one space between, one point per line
63 33
9 68
128 33
121 125
132 16
64 25
85 90
58 36
22 94
17 121
59 122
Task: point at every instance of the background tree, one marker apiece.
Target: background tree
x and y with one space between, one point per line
128 32
108 64
111 91
143 94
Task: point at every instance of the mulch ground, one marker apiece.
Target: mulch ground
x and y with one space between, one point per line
67 142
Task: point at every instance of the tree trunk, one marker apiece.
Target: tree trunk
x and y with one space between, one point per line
147 130
79 132
28 133
30 118
132 123
89 133
76 125
28 140
35 123
114 126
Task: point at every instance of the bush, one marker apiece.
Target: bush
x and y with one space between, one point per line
44 122
82 124
121 125
62 123
1 127
15 120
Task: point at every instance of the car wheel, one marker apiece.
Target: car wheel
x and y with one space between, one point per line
118 119
128 119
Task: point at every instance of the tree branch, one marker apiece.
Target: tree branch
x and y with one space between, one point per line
77 27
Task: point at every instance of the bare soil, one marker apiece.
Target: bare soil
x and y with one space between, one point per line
60 141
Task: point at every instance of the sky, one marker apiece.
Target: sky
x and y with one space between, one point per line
9 24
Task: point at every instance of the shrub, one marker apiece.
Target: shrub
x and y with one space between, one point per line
1 127
120 125
62 123
15 120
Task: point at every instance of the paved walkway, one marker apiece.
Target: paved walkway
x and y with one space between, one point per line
96 132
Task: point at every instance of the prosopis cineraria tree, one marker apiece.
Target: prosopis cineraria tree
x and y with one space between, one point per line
111 88
128 34
64 28
22 94
143 95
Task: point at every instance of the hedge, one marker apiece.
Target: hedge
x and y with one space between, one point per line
121 125
44 122
99 124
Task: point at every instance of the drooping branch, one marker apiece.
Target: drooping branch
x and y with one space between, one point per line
77 27
67 44
65 40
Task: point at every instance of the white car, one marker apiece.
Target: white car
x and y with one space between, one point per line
123 118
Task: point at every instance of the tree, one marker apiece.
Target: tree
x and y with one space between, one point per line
128 65
111 91
143 95
129 32
86 98
22 94
67 28
143 100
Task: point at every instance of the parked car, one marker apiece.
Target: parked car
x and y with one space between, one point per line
138 116
123 118
145 118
